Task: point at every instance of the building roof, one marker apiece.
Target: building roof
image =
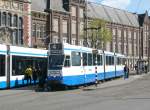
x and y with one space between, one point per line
57 5
41 5
93 11
113 15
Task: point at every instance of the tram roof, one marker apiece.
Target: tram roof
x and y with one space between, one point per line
3 49
24 51
79 48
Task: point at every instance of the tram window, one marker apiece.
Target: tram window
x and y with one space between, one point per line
99 60
85 59
67 61
94 59
124 61
118 61
107 60
2 65
76 58
112 60
19 64
89 59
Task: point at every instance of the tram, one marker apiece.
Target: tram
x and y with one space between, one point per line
13 62
72 65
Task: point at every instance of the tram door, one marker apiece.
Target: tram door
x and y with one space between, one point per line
84 61
3 71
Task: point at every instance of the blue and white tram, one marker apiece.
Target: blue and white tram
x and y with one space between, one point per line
3 53
75 65
120 61
13 62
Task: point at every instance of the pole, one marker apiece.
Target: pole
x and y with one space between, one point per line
86 24
148 54
51 22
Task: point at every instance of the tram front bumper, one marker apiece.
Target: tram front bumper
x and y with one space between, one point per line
54 80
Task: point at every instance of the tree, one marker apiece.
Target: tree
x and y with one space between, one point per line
99 34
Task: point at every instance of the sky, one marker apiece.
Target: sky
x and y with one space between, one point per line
135 6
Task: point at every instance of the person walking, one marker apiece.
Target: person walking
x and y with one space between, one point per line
34 75
28 74
39 73
126 72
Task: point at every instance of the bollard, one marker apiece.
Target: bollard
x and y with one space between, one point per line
96 77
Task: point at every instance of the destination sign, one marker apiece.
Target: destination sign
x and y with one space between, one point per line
56 48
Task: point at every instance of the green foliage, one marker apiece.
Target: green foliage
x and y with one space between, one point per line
98 33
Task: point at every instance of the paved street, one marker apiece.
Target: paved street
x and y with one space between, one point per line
120 94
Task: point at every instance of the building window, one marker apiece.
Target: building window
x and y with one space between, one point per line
15 36
34 30
21 7
9 19
81 12
129 34
81 42
55 39
74 27
81 28
65 29
15 21
4 19
64 40
41 31
20 22
114 32
38 31
73 10
73 41
55 25
20 30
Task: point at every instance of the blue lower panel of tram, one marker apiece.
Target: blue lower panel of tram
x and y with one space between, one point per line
82 79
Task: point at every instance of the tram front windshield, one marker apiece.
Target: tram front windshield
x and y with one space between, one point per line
56 62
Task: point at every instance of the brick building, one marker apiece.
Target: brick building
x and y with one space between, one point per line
35 24
57 21
15 22
63 21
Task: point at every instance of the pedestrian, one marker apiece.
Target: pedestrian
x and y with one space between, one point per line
126 69
34 75
28 74
127 72
146 68
39 72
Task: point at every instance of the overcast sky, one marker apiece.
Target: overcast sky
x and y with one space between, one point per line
136 6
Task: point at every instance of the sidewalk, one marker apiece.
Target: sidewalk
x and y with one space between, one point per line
117 82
